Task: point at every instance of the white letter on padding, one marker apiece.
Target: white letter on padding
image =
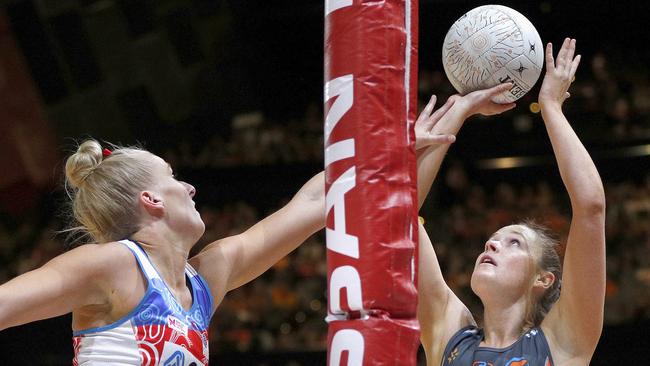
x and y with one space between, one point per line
337 239
347 340
331 5
344 88
345 277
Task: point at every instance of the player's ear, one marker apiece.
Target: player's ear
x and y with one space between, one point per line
544 280
152 203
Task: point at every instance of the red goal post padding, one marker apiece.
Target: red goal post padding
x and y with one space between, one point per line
371 198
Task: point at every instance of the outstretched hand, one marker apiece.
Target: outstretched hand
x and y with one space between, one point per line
425 122
559 74
476 102
480 101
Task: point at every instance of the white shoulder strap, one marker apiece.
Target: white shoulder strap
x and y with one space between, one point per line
142 259
190 271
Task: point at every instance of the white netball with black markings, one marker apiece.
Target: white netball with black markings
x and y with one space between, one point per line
493 44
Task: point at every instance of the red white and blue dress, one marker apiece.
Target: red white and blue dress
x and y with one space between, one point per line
157 332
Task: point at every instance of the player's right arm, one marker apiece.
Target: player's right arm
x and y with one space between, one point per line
454 113
81 277
440 312
236 260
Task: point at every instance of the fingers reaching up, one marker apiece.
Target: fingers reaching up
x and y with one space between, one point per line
560 72
425 122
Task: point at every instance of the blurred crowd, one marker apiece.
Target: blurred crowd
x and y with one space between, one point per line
285 308
253 139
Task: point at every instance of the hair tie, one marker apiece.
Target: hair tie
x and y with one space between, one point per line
106 153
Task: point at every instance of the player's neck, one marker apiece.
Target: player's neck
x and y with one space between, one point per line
168 254
503 324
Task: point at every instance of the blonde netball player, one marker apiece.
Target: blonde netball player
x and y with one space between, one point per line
135 296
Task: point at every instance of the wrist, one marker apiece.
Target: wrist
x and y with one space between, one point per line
463 107
550 106
424 150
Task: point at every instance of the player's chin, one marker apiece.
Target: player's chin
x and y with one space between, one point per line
484 270
483 279
198 229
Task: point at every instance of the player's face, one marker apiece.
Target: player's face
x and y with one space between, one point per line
507 265
177 197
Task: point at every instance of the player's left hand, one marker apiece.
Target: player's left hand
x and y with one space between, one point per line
559 74
425 122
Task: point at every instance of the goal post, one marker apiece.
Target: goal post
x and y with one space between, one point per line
370 100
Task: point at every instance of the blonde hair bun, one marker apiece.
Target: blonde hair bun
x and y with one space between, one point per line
104 189
80 164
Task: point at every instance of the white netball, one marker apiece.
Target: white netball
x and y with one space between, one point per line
490 45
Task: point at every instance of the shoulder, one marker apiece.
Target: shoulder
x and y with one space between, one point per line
105 260
562 351
215 264
114 270
459 346
217 255
112 266
537 336
453 326
470 332
104 253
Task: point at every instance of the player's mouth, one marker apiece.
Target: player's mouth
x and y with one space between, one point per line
487 259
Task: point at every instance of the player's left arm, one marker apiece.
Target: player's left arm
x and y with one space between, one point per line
575 322
231 262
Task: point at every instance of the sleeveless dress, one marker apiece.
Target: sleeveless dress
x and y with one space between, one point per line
531 349
157 332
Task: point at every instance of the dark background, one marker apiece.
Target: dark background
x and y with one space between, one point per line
175 73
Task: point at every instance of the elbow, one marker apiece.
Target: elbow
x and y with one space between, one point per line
596 204
310 201
313 215
314 189
589 199
592 206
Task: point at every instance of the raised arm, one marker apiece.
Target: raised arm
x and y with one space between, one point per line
440 311
576 321
231 262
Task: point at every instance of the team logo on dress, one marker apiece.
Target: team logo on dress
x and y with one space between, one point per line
518 361
177 325
452 356
206 344
175 355
533 332
177 359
